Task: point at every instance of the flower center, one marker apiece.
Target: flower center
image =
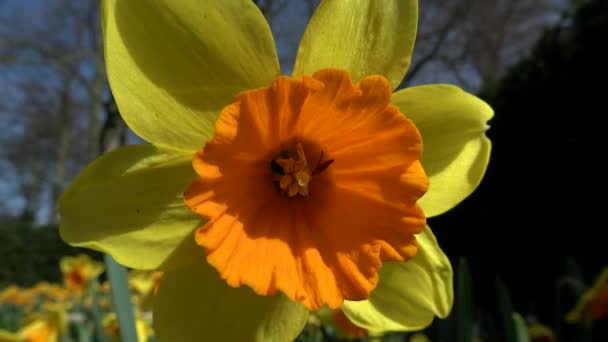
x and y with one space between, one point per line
293 175
599 305
75 279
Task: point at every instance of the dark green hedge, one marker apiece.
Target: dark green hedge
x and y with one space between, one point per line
30 254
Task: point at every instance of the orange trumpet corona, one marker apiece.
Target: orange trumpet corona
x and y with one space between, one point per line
308 186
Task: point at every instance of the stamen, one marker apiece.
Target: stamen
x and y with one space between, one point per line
302 178
293 176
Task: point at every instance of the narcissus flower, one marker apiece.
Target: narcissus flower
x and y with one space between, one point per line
12 295
540 333
142 282
144 286
111 328
262 196
42 327
593 303
79 271
298 194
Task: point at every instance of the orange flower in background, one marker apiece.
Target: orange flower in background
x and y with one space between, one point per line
12 295
144 287
599 304
57 293
39 331
47 326
104 302
593 303
111 328
79 271
540 333
106 287
303 199
144 282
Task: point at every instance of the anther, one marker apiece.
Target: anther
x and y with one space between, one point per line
293 176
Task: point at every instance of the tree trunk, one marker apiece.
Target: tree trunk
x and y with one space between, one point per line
113 134
63 145
97 87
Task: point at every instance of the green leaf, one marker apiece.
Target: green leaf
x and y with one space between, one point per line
97 315
84 334
505 312
121 299
573 269
464 308
521 328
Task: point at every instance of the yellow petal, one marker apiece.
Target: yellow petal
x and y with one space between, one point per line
173 65
39 330
581 311
364 37
601 282
409 294
7 336
197 305
540 332
129 204
456 151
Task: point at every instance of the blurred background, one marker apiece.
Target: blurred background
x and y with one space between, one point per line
531 227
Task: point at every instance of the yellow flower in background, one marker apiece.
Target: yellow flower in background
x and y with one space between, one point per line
106 287
104 302
28 299
12 295
593 303
112 328
311 182
144 282
88 302
52 293
540 333
144 285
79 271
42 288
58 293
39 330
47 326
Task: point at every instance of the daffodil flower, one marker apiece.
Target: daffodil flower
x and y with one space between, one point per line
144 282
111 328
47 326
263 197
79 271
144 287
11 295
540 333
593 303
